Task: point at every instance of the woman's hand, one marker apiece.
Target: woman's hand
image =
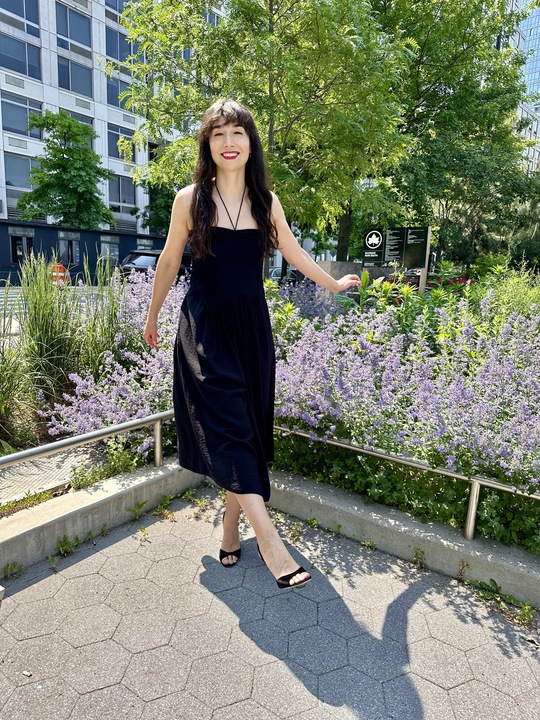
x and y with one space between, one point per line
348 281
150 333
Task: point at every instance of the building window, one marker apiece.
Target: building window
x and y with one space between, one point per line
110 247
16 112
69 247
27 9
73 25
212 18
18 170
114 133
121 194
20 56
75 77
116 5
117 45
115 88
20 248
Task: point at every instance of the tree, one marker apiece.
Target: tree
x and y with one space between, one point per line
66 179
318 76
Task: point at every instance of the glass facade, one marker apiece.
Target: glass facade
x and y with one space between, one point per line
16 112
20 56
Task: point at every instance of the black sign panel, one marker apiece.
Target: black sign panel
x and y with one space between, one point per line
406 247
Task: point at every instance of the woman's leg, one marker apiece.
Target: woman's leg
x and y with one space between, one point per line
231 537
276 556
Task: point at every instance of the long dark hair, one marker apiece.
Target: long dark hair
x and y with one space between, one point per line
203 208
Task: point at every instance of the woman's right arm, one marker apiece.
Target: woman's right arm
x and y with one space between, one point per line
169 261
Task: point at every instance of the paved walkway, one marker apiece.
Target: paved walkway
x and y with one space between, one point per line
145 623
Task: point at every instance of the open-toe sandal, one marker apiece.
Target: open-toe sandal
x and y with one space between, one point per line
225 553
284 581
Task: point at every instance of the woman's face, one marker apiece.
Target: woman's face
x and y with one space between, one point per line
229 146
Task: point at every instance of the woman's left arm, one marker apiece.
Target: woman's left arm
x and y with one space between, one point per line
302 261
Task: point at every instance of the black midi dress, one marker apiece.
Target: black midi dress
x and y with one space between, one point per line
224 368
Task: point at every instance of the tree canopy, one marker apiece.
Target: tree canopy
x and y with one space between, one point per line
67 177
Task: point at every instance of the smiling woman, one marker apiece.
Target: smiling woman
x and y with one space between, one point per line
224 368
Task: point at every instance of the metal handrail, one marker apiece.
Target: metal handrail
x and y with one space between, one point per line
475 481
90 437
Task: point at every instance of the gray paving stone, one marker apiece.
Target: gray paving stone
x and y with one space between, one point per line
314 714
318 650
390 621
84 626
81 563
7 606
439 663
511 676
120 541
529 705
291 611
410 697
111 703
138 595
162 547
232 676
153 526
348 694
281 690
370 590
42 657
156 673
30 620
173 572
97 666
51 699
39 589
144 630
189 601
476 701
120 568
534 664
260 580
199 636
216 578
259 642
181 705
241 605
6 643
192 529
6 688
246 710
447 626
381 659
345 617
84 591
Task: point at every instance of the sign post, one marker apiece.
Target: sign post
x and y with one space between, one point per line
406 247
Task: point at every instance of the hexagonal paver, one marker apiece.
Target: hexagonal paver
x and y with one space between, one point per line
97 666
84 562
318 650
138 595
173 572
381 659
6 643
144 630
237 605
83 626
192 529
216 578
345 617
41 589
180 705
33 619
84 591
410 697
370 590
290 611
233 677
260 581
534 663
243 710
279 689
439 663
529 705
189 601
155 673
197 637
111 703
50 698
476 701
445 625
120 568
6 688
349 694
42 657
120 541
259 642
493 667
162 547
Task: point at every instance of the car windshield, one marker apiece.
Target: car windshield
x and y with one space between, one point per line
143 261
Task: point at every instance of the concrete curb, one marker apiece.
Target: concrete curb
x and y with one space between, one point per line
31 535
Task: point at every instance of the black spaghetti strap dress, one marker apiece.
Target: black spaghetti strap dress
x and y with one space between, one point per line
224 367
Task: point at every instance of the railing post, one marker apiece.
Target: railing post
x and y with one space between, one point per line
158 445
470 521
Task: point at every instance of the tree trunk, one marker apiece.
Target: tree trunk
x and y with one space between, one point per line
344 235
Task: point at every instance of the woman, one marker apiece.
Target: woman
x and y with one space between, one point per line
224 356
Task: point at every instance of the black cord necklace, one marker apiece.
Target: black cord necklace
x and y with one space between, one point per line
233 225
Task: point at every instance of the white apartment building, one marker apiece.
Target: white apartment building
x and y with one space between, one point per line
52 56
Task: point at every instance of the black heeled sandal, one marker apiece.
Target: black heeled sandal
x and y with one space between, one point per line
284 581
223 554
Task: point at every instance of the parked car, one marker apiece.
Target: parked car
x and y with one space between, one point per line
143 260
292 275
